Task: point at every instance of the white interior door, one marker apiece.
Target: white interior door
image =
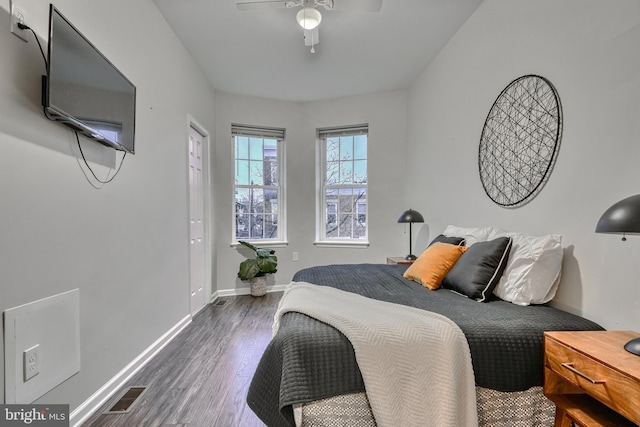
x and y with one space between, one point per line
196 221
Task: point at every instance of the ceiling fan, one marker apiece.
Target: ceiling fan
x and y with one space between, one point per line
309 17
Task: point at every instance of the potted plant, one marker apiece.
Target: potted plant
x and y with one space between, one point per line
255 269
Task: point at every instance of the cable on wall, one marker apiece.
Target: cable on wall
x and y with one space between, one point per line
107 179
26 27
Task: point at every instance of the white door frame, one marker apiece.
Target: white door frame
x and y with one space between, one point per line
192 123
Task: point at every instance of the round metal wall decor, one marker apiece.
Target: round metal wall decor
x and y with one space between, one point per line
520 141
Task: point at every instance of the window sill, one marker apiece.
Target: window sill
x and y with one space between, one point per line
339 244
263 243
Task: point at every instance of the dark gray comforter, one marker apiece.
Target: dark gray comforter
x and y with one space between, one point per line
308 360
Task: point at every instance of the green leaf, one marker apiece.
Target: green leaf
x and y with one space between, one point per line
247 244
263 253
248 268
267 265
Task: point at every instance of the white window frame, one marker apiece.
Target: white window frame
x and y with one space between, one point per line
265 133
321 174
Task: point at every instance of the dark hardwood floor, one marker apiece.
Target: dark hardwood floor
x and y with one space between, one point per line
201 378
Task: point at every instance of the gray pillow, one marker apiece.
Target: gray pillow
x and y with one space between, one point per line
458 241
478 270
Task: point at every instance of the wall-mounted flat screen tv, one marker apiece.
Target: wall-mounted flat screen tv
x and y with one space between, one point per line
85 91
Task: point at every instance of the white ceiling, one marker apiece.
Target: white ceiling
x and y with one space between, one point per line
262 52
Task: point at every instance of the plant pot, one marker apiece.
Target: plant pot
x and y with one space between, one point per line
258 286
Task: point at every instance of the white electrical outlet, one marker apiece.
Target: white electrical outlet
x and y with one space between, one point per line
18 16
31 362
296 256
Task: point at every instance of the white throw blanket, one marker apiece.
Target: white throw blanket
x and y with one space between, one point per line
416 364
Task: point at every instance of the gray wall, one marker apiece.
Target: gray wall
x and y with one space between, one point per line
386 114
589 50
124 246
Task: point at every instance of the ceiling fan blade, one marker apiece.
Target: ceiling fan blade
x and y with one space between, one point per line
311 37
355 5
262 4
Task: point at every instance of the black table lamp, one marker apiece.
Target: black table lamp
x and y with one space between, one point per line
410 216
622 218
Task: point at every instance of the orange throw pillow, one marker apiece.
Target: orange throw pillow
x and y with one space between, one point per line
434 263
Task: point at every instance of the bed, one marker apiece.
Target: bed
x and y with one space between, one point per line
308 374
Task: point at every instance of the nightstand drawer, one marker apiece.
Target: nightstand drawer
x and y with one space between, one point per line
613 388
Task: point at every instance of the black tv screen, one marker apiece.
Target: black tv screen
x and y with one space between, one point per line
85 91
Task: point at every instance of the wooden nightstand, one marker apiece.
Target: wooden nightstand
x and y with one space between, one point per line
399 260
591 378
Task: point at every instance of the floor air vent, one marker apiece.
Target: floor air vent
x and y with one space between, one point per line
126 401
220 302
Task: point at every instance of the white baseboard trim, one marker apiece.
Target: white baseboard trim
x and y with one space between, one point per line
214 297
244 291
93 403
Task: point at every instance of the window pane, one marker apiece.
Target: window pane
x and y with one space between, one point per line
359 228
271 226
360 171
257 200
360 147
242 147
270 172
331 202
345 226
362 213
257 227
333 149
255 149
257 173
333 173
270 148
242 172
346 172
242 213
345 201
360 197
271 201
346 148
242 200
332 210
270 162
242 226
331 196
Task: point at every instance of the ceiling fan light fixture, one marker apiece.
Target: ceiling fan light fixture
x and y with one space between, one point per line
308 18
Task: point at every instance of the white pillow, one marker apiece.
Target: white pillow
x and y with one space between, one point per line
534 268
471 235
